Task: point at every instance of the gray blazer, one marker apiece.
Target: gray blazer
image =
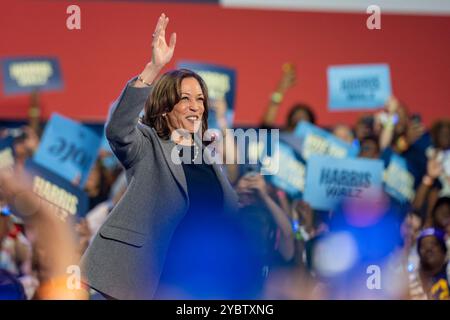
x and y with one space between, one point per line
126 256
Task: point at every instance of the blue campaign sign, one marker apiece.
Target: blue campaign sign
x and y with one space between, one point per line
290 173
315 140
254 147
27 74
68 149
358 87
6 152
292 141
398 180
221 82
70 200
330 181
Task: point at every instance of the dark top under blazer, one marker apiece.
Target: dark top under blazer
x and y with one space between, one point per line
126 256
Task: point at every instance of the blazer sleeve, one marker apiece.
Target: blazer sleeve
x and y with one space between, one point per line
125 139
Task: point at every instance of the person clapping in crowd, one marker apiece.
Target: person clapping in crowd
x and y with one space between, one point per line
431 279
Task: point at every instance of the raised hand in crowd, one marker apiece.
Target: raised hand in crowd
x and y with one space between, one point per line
51 235
386 121
287 81
410 229
427 192
162 52
434 167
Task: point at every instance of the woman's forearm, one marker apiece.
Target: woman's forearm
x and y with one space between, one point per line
147 76
271 114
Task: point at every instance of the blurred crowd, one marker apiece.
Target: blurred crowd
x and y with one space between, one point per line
360 250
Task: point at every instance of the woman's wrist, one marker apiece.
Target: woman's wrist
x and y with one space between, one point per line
147 76
277 97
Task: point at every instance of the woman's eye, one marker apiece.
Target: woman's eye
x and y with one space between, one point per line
201 99
185 98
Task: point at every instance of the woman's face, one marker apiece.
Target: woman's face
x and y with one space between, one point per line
444 137
188 112
369 149
431 253
300 115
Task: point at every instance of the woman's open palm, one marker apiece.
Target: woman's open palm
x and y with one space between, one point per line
161 52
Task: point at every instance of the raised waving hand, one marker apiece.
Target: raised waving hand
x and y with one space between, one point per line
162 52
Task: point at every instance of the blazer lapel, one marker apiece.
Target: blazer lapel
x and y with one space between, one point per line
167 147
177 169
230 199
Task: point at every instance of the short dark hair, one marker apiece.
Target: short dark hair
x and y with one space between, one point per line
435 130
300 107
166 93
438 234
372 138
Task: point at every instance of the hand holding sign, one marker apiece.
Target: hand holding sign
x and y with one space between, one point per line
392 105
